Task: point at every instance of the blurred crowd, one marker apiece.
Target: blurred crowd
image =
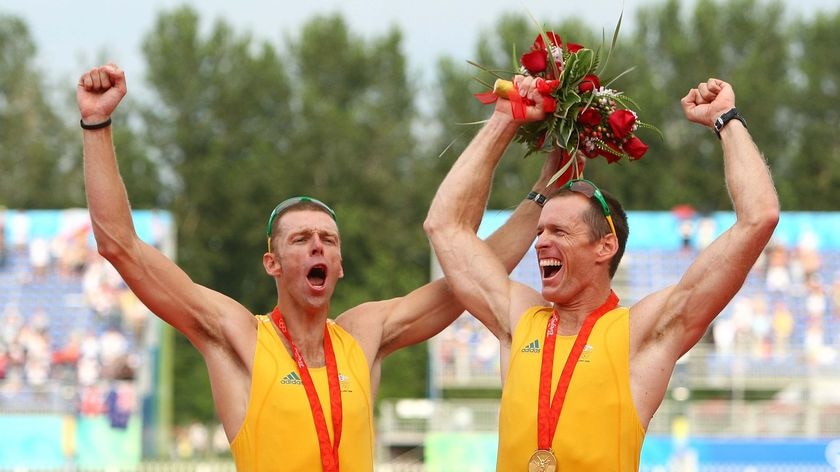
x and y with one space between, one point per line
71 333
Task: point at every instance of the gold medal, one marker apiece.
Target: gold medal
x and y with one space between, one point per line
542 460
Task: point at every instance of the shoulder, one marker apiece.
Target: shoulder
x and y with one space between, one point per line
524 300
364 324
530 317
361 320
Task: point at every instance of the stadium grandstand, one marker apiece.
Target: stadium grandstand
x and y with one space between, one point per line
80 357
83 363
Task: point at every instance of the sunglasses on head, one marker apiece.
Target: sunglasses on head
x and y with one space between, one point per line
590 190
289 202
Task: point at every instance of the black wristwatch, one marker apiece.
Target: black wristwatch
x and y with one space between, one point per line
537 198
726 118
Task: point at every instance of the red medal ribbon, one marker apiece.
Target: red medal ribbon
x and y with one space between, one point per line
329 452
548 414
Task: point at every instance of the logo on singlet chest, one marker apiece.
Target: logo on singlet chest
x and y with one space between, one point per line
533 347
292 378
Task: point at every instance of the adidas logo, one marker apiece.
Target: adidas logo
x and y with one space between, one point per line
292 378
533 346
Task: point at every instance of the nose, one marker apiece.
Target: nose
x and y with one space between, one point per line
542 242
317 246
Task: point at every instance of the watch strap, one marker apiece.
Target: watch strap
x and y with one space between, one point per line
725 118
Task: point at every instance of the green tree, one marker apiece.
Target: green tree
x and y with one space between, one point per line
746 43
39 146
809 177
219 127
353 147
38 169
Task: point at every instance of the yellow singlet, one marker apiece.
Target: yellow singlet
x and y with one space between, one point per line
599 429
279 433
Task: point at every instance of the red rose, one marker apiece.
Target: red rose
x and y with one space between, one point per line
610 156
534 62
591 153
621 122
635 148
555 40
590 117
589 83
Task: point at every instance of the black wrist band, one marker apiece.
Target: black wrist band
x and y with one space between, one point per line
537 198
104 124
726 118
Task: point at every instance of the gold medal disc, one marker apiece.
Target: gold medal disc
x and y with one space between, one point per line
542 460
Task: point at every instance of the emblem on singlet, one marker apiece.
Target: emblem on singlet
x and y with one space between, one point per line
344 381
586 354
532 347
292 378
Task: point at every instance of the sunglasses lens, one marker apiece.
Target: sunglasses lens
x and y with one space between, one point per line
282 206
583 187
590 190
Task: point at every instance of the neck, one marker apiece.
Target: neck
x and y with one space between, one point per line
573 314
307 332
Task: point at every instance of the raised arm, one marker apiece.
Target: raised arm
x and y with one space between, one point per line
679 316
382 327
478 278
157 281
385 326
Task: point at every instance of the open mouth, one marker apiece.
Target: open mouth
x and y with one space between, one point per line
550 267
317 275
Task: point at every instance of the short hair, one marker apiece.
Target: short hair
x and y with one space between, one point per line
299 203
598 224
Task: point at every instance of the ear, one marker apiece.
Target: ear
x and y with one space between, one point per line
272 265
607 247
340 268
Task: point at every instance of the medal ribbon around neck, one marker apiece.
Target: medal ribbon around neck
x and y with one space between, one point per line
329 452
548 414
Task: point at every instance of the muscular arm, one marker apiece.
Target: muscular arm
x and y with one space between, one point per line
385 326
667 324
158 282
478 278
426 311
392 324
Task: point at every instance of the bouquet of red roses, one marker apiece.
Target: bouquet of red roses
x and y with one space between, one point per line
581 114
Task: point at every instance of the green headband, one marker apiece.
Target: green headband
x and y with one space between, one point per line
590 190
290 202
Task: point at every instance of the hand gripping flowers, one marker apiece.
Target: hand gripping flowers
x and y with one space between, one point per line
581 114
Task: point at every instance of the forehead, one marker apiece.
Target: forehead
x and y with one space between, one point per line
306 220
564 209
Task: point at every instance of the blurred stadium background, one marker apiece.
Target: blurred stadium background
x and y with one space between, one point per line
84 368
